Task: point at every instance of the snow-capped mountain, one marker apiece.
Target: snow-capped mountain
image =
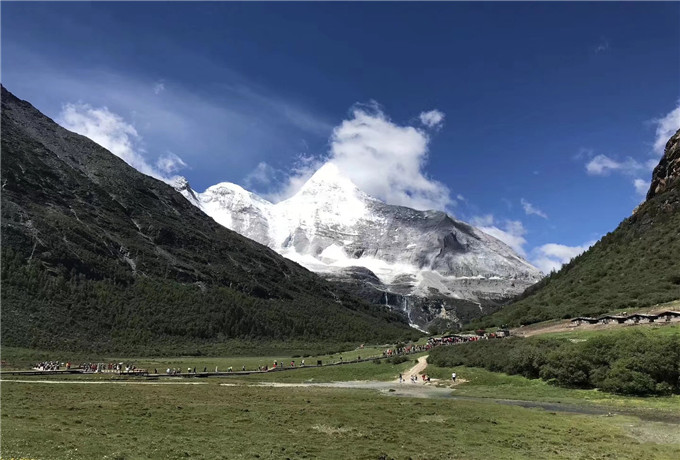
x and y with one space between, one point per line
425 263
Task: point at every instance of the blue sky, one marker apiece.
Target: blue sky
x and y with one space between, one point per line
538 122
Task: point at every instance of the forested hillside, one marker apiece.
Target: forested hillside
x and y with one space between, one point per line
636 265
97 256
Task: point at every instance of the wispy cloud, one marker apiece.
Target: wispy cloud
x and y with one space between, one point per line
485 220
546 258
665 128
603 165
118 136
510 232
169 163
263 175
432 119
641 186
602 46
158 87
530 209
234 123
550 257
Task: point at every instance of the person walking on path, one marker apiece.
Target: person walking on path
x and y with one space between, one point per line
400 379
453 377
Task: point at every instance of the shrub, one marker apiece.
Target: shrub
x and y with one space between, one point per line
630 363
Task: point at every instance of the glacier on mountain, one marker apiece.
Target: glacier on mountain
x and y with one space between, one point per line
427 264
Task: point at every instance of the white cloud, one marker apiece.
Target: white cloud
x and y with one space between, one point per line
382 158
158 87
546 258
641 186
665 128
386 160
551 256
584 152
602 46
113 133
602 165
482 221
530 209
512 233
170 163
460 197
263 174
432 119
302 170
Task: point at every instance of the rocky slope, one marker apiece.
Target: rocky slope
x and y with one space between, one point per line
667 173
426 264
636 265
96 255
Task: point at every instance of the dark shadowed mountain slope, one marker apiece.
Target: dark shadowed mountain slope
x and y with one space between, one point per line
99 256
636 265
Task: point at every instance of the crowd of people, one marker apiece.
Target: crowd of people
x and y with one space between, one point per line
50 366
414 378
90 367
434 342
85 367
108 367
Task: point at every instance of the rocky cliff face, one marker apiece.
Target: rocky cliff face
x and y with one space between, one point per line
667 172
426 264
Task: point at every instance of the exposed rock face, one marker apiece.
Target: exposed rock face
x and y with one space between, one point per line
667 172
423 263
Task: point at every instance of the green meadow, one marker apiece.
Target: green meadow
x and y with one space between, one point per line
213 421
213 418
485 414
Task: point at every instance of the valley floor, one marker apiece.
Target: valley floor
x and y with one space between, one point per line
289 416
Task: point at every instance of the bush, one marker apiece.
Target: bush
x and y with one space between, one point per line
630 363
625 381
397 359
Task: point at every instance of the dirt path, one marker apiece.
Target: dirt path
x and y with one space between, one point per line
415 370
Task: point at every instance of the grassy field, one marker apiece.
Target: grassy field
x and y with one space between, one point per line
74 420
24 358
485 384
658 329
232 418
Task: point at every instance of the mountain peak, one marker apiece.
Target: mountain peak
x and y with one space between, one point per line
329 178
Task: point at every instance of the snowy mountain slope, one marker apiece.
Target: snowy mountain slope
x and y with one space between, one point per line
331 227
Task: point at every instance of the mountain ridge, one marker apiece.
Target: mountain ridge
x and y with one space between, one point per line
427 259
120 261
635 265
